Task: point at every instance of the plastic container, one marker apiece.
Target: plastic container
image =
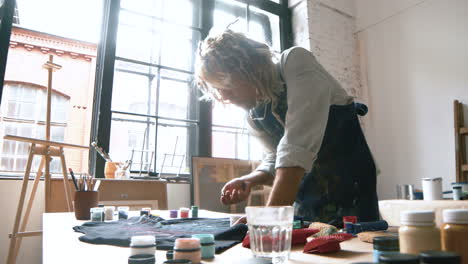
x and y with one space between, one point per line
194 210
142 259
207 243
432 189
109 213
97 214
142 245
385 245
454 232
418 232
457 192
184 212
398 259
439 257
123 212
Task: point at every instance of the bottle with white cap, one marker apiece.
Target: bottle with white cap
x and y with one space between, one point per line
418 232
454 232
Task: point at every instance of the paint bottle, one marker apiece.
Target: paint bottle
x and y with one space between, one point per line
454 232
398 259
418 232
385 245
173 213
439 257
145 211
109 213
123 212
142 245
188 248
207 243
457 192
194 211
97 214
184 212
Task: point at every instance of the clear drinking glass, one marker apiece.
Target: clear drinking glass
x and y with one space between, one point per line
270 230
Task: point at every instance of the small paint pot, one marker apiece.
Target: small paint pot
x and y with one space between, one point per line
184 212
109 213
170 254
173 213
188 248
142 259
97 214
207 243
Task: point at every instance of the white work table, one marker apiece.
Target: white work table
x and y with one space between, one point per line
61 245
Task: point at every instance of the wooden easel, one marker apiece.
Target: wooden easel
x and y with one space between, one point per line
46 149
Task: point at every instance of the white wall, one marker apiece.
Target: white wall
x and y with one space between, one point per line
31 247
415 60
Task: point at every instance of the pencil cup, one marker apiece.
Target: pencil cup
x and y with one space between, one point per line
84 201
110 168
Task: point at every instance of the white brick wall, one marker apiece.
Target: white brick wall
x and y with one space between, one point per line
326 27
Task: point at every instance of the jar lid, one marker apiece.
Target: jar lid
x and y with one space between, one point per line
398 258
455 216
142 241
418 218
386 242
142 259
204 238
439 257
178 261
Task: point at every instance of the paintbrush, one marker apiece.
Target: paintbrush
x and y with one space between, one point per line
96 185
101 152
73 178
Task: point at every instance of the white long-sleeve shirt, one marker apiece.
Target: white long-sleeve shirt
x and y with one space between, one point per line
311 90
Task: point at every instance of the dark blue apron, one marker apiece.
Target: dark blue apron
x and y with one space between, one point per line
343 177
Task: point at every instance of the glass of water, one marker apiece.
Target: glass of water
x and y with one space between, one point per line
270 230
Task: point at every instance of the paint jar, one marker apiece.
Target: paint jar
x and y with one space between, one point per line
173 213
439 257
170 254
145 211
142 259
194 211
385 245
123 212
454 232
142 245
207 243
188 248
109 213
457 192
398 259
418 232
432 189
97 214
405 191
184 212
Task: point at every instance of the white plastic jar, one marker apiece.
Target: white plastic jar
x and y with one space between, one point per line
418 232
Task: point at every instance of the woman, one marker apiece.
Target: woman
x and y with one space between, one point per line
316 155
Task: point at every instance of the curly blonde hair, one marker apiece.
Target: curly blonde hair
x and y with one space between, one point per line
230 56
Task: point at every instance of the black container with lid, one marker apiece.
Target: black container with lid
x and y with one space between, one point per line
142 259
439 257
386 243
397 258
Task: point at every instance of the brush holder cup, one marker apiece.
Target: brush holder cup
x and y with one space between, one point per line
84 201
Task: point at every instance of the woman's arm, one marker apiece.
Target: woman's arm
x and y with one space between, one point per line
285 186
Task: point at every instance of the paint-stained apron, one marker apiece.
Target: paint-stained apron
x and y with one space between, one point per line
342 181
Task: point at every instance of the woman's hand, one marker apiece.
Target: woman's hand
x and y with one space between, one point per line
235 191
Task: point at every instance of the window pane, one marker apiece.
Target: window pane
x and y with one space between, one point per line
179 45
173 99
264 27
228 115
226 12
172 149
134 92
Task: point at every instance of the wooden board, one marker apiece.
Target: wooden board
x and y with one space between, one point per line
61 245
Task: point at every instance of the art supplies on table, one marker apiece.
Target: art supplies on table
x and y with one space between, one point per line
123 212
207 245
142 245
194 210
142 259
188 248
109 213
184 212
173 213
418 232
